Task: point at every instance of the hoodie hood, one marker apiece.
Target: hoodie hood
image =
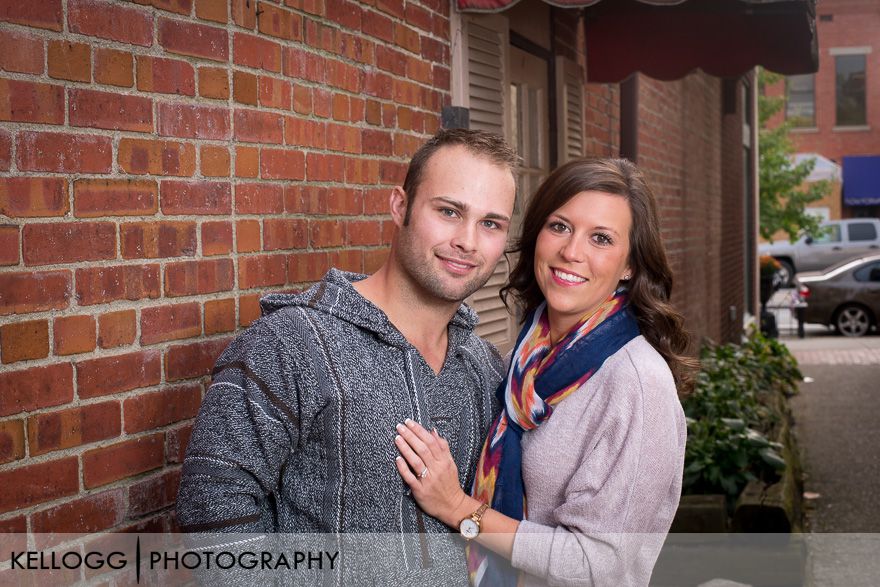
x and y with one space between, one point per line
334 295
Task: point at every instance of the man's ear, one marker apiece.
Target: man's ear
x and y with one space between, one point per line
397 204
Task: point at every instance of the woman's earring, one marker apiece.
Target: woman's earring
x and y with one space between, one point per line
625 277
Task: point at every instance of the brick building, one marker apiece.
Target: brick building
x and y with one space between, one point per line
163 164
834 111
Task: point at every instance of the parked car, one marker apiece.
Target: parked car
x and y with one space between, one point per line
845 296
839 240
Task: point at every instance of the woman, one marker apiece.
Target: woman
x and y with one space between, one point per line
580 475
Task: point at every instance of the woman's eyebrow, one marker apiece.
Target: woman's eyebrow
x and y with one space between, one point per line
566 220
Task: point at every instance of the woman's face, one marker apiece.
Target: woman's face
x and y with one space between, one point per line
581 255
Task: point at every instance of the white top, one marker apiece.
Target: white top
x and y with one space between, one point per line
603 476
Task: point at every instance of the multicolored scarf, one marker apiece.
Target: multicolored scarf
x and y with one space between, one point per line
541 375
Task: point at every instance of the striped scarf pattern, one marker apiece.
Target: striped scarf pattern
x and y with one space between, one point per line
540 376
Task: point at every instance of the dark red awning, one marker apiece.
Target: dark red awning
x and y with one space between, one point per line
667 39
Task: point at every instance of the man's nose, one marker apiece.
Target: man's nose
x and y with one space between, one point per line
465 238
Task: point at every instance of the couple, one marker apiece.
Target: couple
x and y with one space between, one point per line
366 404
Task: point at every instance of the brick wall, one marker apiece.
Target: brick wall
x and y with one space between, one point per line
161 166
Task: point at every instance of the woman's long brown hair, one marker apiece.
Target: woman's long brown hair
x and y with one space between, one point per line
650 285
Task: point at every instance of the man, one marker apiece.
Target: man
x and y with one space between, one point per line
296 433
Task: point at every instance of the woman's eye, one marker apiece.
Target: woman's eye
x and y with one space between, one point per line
603 239
558 227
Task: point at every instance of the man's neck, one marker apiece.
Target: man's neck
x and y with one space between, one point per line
421 319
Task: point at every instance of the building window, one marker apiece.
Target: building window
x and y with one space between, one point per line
800 103
850 90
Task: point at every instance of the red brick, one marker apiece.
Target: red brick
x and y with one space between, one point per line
306 267
248 309
216 10
283 164
11 441
74 335
111 111
256 52
247 161
302 99
176 441
204 197
44 15
125 459
374 259
114 68
108 375
85 515
64 153
21 52
247 236
215 161
285 233
34 291
152 240
117 329
342 137
219 316
254 126
109 20
98 285
34 388
274 93
166 76
262 270
301 64
379 26
70 61
244 13
348 260
73 427
193 122
9 245
27 486
13 538
278 22
259 198
29 197
216 238
22 101
154 410
156 157
68 242
305 133
367 232
326 233
192 39
22 341
178 6
198 277
172 322
244 88
5 150
114 197
153 494
321 167
213 83
193 360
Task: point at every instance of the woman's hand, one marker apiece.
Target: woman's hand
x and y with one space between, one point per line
426 465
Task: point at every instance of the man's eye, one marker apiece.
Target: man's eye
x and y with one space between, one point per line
449 212
491 224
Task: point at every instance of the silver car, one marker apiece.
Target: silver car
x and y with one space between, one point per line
845 296
840 240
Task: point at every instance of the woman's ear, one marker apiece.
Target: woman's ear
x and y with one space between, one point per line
397 205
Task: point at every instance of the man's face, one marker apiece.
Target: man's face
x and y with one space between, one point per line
458 223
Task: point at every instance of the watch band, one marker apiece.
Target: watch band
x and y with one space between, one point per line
478 515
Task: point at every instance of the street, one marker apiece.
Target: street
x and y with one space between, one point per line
836 422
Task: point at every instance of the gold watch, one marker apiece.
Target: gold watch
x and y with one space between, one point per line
470 526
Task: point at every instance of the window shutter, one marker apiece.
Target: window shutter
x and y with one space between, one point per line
486 42
570 110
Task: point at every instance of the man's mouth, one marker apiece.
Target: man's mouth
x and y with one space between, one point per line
457 265
566 277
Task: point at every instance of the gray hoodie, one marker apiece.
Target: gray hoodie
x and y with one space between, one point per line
296 433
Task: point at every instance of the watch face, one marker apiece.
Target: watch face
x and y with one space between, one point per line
469 529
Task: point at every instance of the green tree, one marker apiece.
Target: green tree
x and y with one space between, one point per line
782 196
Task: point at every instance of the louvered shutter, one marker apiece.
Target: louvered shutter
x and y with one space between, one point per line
485 48
569 110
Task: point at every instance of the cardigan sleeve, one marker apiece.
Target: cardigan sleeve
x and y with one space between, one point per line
620 501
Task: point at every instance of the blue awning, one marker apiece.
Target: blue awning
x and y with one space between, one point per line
861 180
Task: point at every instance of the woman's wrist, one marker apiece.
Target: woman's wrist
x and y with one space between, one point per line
466 507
